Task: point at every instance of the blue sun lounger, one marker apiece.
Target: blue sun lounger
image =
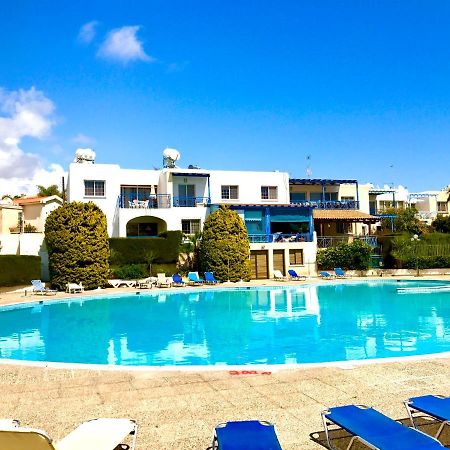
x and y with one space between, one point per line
326 275
245 435
435 406
295 276
376 430
210 279
177 280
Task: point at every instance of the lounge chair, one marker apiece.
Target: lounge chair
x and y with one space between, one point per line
340 273
39 288
209 278
163 281
117 283
435 406
245 435
326 275
145 283
277 275
97 434
73 288
194 279
177 281
376 430
295 277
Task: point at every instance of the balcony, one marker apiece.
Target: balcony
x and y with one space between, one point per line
329 204
155 201
333 241
191 201
278 237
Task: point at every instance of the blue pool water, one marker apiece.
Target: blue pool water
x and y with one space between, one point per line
292 324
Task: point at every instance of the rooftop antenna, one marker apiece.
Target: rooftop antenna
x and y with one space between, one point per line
391 167
308 166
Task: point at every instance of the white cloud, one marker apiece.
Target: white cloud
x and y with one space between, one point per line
26 113
83 139
122 44
87 32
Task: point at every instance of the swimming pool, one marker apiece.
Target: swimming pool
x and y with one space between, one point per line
234 326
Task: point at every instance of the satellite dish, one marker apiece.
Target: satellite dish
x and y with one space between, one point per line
170 155
85 155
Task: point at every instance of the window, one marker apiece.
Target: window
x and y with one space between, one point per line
230 192
295 257
269 192
297 197
190 226
94 188
347 199
442 206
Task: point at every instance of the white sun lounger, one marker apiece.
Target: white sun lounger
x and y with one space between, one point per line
72 288
97 434
117 283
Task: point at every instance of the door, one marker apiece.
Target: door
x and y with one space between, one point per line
186 195
278 261
259 264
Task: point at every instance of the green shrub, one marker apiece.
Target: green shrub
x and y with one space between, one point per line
353 256
16 270
130 271
163 249
77 243
224 248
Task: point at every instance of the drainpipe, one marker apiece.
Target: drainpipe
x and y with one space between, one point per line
209 192
267 217
357 196
311 225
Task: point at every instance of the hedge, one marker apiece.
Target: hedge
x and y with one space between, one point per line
162 249
16 270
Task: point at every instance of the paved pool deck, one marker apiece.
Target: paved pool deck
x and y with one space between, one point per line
179 409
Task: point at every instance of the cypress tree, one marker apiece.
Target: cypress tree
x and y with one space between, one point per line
224 248
77 242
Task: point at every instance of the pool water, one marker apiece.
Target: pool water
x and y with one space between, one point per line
234 326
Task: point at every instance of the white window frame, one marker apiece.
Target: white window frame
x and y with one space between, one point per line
270 194
229 188
94 188
197 222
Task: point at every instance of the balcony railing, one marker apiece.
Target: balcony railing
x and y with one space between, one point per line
278 237
332 241
153 201
191 201
331 204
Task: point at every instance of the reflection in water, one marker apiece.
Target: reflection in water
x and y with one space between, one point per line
329 322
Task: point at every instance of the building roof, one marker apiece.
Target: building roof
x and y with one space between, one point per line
348 215
319 181
35 199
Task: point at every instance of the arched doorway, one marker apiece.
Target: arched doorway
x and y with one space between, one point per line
147 226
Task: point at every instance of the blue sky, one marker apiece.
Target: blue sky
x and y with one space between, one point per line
361 86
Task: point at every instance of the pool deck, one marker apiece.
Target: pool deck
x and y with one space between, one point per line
179 409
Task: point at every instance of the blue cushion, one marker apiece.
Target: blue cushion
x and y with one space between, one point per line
434 406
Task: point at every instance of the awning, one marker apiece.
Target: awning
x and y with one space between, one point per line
345 215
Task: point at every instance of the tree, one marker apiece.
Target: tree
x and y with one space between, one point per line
405 220
191 247
78 246
353 256
49 191
224 247
441 224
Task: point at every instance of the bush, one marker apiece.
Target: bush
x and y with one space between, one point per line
77 243
15 269
130 271
353 256
224 248
163 249
441 224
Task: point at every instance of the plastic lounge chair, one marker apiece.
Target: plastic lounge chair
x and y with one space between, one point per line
73 288
277 275
326 275
435 406
177 280
194 279
117 283
294 276
339 273
376 430
97 434
144 283
209 278
246 435
163 281
39 288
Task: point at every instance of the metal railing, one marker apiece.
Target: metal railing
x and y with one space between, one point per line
331 204
332 241
278 237
191 201
153 201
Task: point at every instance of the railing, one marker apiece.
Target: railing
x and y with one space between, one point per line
153 201
332 241
332 204
278 237
191 201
